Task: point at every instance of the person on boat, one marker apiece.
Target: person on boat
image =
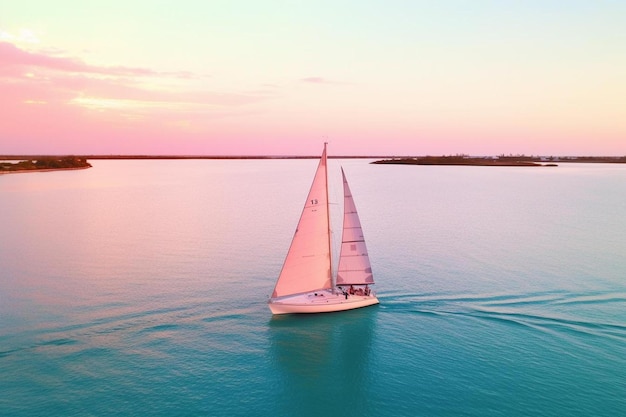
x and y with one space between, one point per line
351 289
367 290
343 292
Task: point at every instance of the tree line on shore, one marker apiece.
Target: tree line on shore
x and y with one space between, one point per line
501 160
66 162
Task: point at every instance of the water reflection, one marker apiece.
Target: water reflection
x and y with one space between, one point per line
323 361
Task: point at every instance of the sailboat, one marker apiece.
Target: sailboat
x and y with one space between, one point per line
306 283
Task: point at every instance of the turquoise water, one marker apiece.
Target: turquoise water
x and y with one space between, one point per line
140 288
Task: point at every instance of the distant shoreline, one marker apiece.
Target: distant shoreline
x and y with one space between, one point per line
464 159
47 163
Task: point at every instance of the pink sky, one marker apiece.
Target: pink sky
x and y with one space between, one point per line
61 104
414 80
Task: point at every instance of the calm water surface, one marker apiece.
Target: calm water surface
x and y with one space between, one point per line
140 288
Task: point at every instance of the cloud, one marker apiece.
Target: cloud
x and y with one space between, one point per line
40 76
314 80
51 100
321 81
24 35
11 55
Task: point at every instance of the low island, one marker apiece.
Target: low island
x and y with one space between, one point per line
499 161
48 163
465 160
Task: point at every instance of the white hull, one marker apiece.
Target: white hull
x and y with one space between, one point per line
322 301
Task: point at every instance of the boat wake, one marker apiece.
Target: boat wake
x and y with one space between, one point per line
112 326
594 314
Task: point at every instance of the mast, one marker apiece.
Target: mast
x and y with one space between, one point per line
330 249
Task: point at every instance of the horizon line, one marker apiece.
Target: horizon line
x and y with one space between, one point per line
232 156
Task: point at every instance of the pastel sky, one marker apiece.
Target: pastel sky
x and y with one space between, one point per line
235 77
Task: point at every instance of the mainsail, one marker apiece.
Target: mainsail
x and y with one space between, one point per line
307 265
354 263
